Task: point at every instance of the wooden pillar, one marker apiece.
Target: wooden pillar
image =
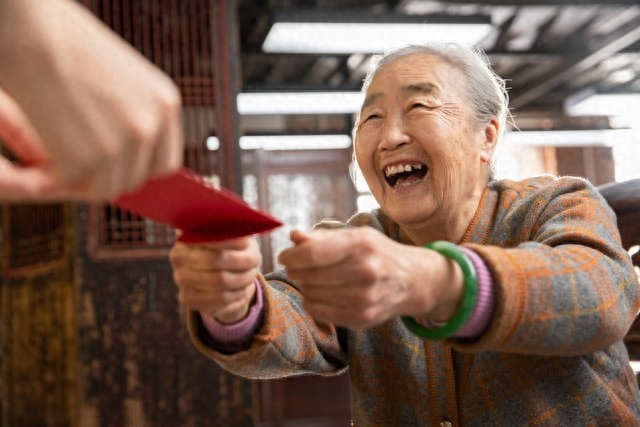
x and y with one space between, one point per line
227 76
38 317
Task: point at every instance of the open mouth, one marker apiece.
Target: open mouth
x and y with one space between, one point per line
405 174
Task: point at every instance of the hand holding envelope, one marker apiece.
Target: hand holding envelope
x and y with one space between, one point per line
203 213
215 260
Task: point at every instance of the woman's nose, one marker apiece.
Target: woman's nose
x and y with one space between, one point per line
393 134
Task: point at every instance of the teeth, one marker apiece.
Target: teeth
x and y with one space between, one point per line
392 170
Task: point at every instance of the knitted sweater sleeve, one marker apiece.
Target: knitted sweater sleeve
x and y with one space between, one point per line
563 283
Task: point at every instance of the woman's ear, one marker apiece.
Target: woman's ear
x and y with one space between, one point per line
491 133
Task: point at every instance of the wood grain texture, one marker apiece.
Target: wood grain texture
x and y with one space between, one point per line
38 319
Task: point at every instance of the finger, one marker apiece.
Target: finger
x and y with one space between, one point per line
298 236
168 152
212 303
215 257
332 277
313 250
18 133
240 243
95 186
214 281
322 295
19 183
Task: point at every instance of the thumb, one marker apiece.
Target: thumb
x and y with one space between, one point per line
298 236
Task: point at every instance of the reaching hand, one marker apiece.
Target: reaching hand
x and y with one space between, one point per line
359 278
217 279
86 115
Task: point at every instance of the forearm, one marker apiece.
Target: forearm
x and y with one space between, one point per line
570 300
288 342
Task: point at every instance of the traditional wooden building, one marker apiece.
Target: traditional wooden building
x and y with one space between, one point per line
90 329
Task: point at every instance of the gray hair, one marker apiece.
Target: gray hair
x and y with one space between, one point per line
482 88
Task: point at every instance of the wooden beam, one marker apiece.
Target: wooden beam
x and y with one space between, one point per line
546 2
227 85
627 35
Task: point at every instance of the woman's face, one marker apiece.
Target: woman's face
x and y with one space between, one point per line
422 155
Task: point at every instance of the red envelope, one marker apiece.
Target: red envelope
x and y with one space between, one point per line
203 213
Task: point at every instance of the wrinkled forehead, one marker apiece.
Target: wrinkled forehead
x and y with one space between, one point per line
416 72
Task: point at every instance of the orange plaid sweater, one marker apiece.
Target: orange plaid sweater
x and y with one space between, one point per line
566 294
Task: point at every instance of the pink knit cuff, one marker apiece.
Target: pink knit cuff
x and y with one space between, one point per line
483 311
241 331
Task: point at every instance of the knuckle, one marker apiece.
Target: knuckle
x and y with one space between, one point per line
367 318
143 135
368 270
172 100
367 237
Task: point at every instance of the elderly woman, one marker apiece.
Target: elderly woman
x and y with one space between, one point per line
462 300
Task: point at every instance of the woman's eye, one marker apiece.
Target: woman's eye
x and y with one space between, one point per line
418 105
371 117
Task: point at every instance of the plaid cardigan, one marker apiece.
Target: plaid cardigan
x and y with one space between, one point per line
566 294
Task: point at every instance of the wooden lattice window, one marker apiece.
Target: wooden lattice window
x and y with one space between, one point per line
177 37
123 229
34 236
300 188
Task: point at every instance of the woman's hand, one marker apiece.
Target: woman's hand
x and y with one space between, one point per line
85 114
217 279
359 278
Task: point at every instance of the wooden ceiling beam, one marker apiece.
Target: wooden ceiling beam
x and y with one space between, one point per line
545 2
625 36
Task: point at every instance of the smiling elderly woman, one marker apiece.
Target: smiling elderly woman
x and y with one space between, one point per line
462 300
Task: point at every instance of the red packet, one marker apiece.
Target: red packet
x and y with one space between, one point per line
203 213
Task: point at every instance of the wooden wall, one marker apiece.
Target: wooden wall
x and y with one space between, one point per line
38 338
594 163
624 198
137 365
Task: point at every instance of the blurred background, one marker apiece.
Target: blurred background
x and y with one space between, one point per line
90 329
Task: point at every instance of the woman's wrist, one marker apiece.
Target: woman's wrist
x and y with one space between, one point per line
231 315
482 313
240 331
452 286
467 301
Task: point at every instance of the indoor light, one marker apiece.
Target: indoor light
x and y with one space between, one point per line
287 142
368 33
299 102
568 138
625 105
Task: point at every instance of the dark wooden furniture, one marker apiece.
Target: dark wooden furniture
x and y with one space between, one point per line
624 198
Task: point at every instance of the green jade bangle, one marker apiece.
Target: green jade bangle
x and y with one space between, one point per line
469 295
